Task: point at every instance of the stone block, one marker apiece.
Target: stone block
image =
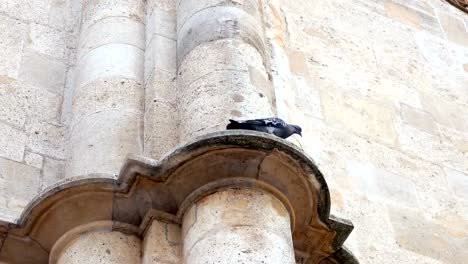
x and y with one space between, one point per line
95 150
415 233
162 243
383 185
107 94
13 173
52 172
454 28
412 17
34 11
19 101
458 183
445 112
42 72
47 139
124 31
48 41
95 10
454 137
160 54
307 98
68 90
33 159
359 115
13 35
12 142
161 86
111 60
418 119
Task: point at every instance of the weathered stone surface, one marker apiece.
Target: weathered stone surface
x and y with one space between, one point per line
381 184
47 139
454 28
43 72
359 115
162 244
12 142
33 159
94 150
107 94
237 226
13 173
104 247
53 171
458 183
413 232
13 35
48 41
95 10
160 54
160 22
110 60
36 11
125 31
418 119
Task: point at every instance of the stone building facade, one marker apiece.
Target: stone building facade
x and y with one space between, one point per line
112 147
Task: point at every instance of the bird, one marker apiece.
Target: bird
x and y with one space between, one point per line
273 125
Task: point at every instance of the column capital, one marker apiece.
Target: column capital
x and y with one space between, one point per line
147 189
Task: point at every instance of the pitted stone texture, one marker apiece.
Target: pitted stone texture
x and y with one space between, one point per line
53 171
107 94
20 101
124 31
360 116
48 41
217 23
187 8
33 159
13 35
237 226
162 244
35 11
12 142
111 60
103 248
161 127
101 142
13 172
45 138
95 10
221 73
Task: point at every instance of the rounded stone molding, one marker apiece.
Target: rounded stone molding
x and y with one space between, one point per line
147 189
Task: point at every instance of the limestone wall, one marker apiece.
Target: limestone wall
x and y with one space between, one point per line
379 87
381 90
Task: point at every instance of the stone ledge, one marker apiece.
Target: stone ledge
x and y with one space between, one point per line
147 189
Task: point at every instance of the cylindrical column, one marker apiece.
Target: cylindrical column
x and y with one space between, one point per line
102 247
237 226
108 95
222 69
162 244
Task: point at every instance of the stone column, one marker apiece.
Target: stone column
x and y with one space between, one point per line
108 95
237 226
222 70
162 244
97 242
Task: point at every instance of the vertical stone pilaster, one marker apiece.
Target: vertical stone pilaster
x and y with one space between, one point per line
222 70
161 115
108 93
162 244
237 226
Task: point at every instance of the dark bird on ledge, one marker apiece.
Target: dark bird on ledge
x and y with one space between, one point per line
275 126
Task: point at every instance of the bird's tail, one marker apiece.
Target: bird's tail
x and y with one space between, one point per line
233 124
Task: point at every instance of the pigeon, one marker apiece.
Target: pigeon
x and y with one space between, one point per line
275 126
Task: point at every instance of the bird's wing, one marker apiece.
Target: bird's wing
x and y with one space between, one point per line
272 122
